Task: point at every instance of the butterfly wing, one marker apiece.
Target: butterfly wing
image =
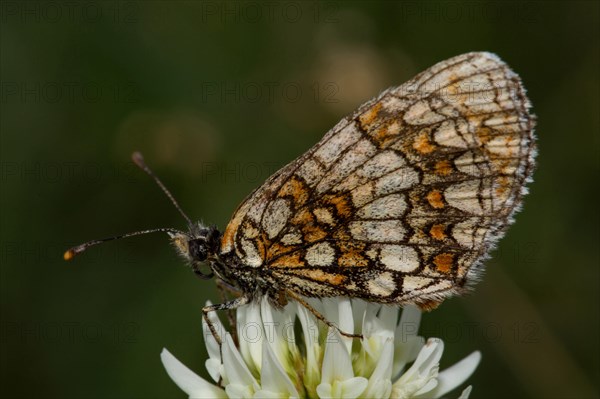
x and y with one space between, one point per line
401 201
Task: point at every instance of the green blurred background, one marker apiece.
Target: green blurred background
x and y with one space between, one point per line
218 96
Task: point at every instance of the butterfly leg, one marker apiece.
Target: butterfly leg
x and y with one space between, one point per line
233 304
319 316
225 288
229 305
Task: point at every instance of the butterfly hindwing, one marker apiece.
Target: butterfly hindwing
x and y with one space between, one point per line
401 201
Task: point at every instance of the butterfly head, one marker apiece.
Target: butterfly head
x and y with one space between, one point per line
198 246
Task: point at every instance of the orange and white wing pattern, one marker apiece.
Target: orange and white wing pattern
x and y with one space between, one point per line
401 201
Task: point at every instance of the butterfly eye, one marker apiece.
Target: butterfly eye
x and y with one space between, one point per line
198 250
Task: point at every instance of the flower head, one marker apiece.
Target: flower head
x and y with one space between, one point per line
276 358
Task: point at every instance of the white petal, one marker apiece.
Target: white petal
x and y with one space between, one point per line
213 363
379 325
263 394
214 368
325 391
250 335
273 377
238 391
353 387
429 385
388 316
370 323
455 375
309 325
339 312
319 306
405 351
407 344
279 332
187 380
384 365
429 357
270 326
237 371
310 332
359 308
420 377
287 318
380 384
336 360
378 389
409 321
348 389
465 394
212 346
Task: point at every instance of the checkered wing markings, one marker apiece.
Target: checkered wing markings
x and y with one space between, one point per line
400 200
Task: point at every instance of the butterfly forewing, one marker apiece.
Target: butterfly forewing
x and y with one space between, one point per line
401 201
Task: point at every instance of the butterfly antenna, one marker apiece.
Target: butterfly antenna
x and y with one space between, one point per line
138 159
70 254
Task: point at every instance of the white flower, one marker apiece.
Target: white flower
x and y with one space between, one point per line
390 361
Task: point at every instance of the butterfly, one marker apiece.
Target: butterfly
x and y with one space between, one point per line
399 203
